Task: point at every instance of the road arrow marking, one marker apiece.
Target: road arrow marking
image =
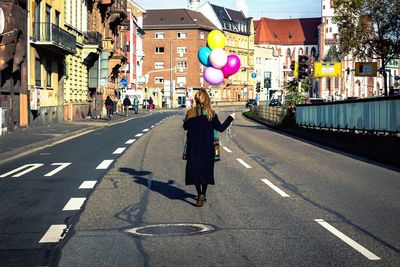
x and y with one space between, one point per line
271 185
62 166
30 167
75 203
54 234
368 254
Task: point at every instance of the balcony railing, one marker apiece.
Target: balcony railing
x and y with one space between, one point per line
93 38
59 40
118 6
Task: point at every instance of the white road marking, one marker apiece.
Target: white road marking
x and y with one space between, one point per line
227 149
130 141
146 130
87 185
74 203
119 150
152 126
62 166
105 164
139 135
271 185
244 163
53 234
368 254
30 167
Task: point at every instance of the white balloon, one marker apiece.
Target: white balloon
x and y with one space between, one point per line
218 58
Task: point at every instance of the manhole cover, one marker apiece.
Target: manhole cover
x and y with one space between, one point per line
171 229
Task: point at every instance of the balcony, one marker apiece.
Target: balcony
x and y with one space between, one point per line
50 36
118 11
93 38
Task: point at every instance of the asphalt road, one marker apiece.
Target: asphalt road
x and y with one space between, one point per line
278 201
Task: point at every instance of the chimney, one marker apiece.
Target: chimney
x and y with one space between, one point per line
194 4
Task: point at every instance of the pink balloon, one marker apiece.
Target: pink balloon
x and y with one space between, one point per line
232 66
218 58
213 76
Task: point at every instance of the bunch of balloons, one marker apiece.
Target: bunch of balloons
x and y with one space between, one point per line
219 64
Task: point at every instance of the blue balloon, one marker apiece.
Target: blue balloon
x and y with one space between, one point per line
204 56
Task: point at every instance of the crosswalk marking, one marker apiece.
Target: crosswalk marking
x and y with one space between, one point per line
271 185
30 167
53 234
75 203
62 166
368 254
88 184
119 150
104 164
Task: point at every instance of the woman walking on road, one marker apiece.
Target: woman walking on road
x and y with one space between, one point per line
200 123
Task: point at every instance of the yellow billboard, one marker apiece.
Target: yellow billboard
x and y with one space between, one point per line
366 69
327 69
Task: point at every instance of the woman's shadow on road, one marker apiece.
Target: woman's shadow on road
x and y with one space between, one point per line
164 188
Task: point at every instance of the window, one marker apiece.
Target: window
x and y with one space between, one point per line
201 35
48 73
182 35
159 79
159 50
57 18
38 72
181 50
159 65
182 64
159 35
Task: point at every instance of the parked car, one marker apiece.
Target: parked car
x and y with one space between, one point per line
251 102
275 102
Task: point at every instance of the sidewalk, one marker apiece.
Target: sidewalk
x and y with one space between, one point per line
27 140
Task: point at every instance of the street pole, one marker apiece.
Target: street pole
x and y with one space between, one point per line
170 77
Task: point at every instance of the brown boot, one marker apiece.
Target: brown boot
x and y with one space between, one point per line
200 201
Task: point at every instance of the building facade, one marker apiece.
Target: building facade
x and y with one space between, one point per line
239 33
171 68
13 65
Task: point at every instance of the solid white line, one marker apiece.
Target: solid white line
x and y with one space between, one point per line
244 163
87 185
119 150
74 203
146 130
105 164
53 234
368 254
227 149
279 191
139 135
31 168
130 141
62 166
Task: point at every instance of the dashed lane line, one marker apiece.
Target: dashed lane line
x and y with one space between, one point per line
53 234
244 163
146 130
227 149
88 184
130 141
368 254
272 186
119 150
74 203
104 164
139 135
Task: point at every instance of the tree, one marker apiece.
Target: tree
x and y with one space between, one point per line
369 29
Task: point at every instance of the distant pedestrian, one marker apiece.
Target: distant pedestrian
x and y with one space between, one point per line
150 104
202 147
135 104
127 103
109 106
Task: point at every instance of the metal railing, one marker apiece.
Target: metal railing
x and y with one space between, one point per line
49 32
93 38
119 6
271 114
374 114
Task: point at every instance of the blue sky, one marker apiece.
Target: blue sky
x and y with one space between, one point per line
254 8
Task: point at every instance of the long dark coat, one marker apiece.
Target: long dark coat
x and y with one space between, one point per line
200 148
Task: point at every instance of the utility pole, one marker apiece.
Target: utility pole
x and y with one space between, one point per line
170 77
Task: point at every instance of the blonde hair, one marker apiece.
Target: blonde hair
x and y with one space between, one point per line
203 100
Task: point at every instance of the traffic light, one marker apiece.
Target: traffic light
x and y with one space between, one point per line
258 87
292 65
303 66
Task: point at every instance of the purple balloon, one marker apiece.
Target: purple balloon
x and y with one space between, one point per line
213 76
232 66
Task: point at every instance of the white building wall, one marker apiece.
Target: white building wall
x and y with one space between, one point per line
207 10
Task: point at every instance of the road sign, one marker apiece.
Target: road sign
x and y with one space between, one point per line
254 75
124 82
327 69
366 69
396 78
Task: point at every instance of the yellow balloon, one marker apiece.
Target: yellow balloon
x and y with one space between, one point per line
216 39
